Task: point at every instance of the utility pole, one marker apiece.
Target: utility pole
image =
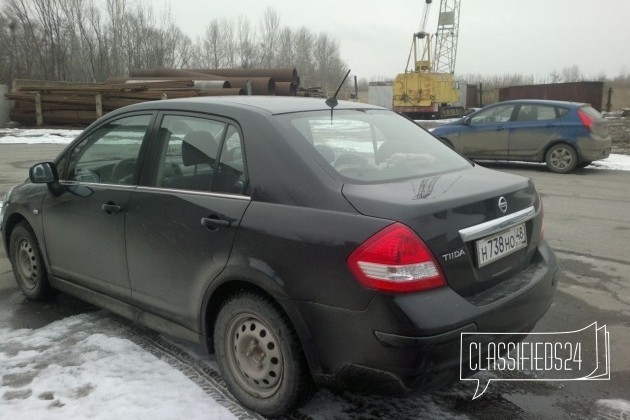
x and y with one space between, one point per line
609 103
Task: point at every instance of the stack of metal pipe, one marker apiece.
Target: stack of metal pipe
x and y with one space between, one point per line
42 102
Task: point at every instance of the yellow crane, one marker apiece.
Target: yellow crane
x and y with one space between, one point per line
429 89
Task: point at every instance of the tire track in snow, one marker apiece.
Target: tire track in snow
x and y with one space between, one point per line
206 377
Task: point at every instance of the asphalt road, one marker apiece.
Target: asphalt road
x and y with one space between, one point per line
587 222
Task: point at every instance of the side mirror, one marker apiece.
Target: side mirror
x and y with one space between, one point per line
43 173
466 121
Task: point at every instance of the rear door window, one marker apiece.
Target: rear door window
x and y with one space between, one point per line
200 154
230 176
537 113
190 147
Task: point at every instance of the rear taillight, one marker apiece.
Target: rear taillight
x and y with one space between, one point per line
396 260
587 120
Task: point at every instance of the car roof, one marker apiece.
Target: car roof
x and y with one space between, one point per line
269 104
544 102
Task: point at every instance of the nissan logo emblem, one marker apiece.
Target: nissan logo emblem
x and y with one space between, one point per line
503 204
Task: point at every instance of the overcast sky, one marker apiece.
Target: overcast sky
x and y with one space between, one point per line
530 37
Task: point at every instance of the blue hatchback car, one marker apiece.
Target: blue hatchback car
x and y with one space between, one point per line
564 135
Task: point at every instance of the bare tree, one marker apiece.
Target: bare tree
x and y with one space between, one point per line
28 37
302 52
116 29
213 49
328 66
90 40
246 50
229 43
571 74
269 35
284 56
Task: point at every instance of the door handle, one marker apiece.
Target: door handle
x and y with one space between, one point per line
111 208
213 223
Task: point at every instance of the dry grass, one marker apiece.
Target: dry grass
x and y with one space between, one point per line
620 130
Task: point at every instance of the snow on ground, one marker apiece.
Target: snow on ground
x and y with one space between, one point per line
64 136
73 368
614 162
619 408
89 366
37 135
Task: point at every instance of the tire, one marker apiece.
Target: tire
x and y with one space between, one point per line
259 355
28 265
561 158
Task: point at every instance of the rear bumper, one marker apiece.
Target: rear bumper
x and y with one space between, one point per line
590 155
412 341
591 149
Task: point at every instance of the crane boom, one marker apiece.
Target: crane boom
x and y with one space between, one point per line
430 89
446 37
425 16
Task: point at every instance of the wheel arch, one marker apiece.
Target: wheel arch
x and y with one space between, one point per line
12 221
447 142
219 293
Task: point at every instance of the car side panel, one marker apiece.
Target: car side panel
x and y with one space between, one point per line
84 243
484 141
172 255
305 250
528 140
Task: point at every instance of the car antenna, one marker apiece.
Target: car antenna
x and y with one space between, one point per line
332 101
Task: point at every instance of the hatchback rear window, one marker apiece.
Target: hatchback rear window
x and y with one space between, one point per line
373 145
591 112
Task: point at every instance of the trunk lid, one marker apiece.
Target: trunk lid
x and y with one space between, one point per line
452 212
597 124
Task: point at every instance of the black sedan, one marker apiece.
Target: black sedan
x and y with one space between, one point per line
302 244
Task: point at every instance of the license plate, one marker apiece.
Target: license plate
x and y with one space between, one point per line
498 246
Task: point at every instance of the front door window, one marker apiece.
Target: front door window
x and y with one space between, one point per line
495 114
109 155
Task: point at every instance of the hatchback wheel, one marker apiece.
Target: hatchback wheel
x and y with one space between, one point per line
27 262
259 355
561 158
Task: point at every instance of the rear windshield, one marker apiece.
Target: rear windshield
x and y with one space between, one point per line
373 145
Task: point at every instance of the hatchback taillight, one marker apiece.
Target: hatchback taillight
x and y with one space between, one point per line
396 260
587 120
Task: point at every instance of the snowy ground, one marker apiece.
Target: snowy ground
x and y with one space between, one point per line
73 368
36 135
62 136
